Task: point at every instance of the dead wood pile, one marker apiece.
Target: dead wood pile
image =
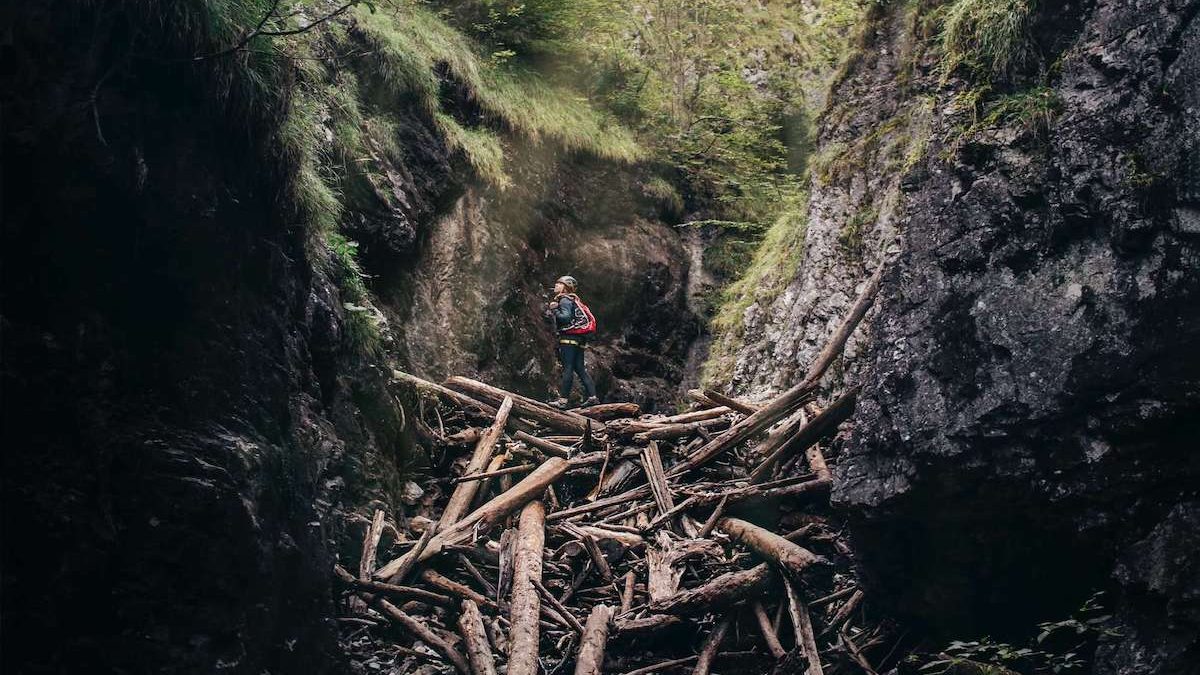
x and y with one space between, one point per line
599 540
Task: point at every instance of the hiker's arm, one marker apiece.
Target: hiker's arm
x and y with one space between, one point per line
565 310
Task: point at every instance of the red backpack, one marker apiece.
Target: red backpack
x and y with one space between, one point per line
584 322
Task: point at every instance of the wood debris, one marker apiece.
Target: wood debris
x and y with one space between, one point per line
635 543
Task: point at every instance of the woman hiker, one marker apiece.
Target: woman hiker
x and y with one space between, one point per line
574 323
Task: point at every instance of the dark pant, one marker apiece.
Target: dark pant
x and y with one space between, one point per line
571 358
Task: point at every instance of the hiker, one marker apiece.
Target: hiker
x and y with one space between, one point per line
574 323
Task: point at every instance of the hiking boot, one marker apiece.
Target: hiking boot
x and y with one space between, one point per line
559 403
591 400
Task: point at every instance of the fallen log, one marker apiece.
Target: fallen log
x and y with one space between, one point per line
493 473
628 537
366 561
671 431
702 401
645 624
693 416
791 557
810 433
656 478
730 402
610 411
474 635
468 436
418 630
565 440
463 401
393 591
452 587
663 560
568 619
844 612
768 632
549 447
721 592
662 579
433 388
526 407
624 497
410 559
597 556
525 605
661 666
485 481
672 512
711 645
590 659
461 499
530 488
780 434
802 623
816 463
833 596
627 593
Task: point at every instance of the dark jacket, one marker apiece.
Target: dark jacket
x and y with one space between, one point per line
564 314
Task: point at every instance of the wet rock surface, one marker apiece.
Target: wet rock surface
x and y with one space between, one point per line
1030 409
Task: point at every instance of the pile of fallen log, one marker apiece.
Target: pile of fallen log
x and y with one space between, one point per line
600 540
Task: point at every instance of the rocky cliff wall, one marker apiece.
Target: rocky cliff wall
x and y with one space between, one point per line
183 422
865 136
472 301
1026 434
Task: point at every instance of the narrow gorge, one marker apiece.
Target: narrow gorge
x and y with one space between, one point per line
272 268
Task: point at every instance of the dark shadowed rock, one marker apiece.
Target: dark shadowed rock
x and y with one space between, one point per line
1030 414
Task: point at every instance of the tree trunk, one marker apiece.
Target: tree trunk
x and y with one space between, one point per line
460 501
526 407
791 557
721 592
474 635
418 630
810 433
590 660
549 447
525 606
730 402
610 411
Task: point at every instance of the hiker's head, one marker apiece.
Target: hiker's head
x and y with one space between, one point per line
565 284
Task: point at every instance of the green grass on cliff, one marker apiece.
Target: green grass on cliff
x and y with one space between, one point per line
988 37
411 48
773 265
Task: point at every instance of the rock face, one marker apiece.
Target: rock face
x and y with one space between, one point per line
473 299
188 431
180 417
851 226
1027 431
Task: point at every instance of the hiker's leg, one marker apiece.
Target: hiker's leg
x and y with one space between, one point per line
566 358
589 387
